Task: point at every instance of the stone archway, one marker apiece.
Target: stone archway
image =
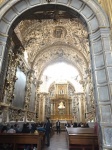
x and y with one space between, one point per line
100 50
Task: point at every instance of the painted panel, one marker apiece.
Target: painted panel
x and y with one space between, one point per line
32 98
101 76
87 12
10 15
99 61
106 113
76 4
103 93
97 47
19 91
20 7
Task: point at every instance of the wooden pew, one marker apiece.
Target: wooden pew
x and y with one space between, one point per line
42 137
20 138
82 138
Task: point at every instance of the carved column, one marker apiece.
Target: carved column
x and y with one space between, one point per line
28 90
10 78
48 105
89 97
37 100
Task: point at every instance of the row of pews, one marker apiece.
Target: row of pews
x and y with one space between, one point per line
17 139
82 138
78 138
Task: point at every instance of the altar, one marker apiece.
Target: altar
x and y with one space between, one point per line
61 104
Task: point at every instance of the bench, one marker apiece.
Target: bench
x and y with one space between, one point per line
21 138
42 137
82 138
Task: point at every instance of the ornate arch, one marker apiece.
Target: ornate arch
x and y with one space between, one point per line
100 50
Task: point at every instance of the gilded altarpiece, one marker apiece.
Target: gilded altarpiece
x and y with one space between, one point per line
61 103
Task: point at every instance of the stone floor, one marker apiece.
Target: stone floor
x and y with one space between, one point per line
58 142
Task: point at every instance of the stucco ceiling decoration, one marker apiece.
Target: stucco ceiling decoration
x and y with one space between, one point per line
60 52
47 40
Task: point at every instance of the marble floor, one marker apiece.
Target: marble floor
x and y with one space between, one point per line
58 142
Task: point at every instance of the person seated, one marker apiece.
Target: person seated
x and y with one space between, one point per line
86 125
67 124
11 130
41 129
79 125
33 128
82 125
1 126
4 129
17 128
74 125
71 124
26 128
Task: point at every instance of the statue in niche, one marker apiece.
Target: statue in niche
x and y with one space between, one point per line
61 108
61 105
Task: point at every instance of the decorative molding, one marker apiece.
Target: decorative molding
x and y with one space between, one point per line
40 38
16 114
31 116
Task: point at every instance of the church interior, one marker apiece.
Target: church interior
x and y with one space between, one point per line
56 62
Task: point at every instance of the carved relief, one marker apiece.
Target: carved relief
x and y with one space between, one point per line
89 97
38 37
10 78
59 32
31 116
16 114
59 53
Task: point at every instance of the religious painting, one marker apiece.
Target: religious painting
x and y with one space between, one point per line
19 91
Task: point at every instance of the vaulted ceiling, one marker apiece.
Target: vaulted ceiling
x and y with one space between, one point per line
53 35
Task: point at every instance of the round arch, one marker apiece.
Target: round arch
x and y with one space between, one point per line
57 60
57 47
53 83
100 50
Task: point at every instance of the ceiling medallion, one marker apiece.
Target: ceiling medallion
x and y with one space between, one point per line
59 32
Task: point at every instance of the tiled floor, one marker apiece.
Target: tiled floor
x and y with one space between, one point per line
58 142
